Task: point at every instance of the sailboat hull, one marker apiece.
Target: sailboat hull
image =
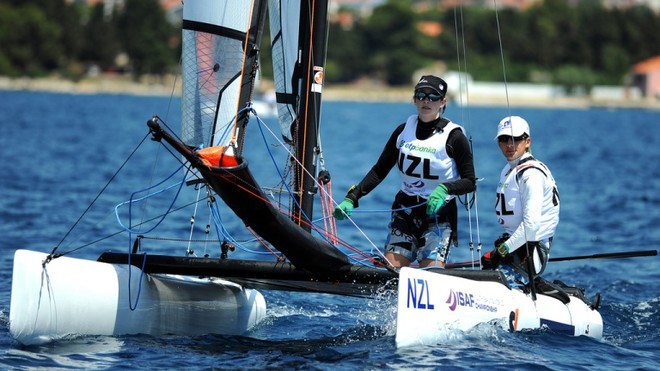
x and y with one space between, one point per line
71 297
432 307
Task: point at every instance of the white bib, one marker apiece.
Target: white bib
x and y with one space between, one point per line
423 164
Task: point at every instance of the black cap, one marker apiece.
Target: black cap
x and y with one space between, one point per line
433 82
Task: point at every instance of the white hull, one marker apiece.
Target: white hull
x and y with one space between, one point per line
429 304
73 297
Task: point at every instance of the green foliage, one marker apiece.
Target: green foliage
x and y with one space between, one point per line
144 34
572 43
102 45
41 37
30 41
613 60
346 52
573 77
392 38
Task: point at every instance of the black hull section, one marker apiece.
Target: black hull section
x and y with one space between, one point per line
240 191
359 281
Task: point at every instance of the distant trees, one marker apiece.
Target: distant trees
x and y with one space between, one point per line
543 41
41 37
147 37
31 42
101 42
552 42
392 40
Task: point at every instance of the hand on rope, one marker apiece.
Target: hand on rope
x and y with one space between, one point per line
436 200
493 259
503 249
490 260
344 209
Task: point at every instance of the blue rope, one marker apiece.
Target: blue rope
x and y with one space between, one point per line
279 172
132 200
133 306
137 298
224 234
386 210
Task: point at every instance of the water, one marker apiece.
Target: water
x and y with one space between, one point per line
60 150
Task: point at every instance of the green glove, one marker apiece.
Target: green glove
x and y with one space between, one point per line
503 249
344 209
436 199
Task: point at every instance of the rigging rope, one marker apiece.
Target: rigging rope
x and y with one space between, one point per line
328 236
461 50
52 253
499 38
467 201
131 201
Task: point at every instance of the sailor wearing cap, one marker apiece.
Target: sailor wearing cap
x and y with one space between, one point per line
527 204
435 164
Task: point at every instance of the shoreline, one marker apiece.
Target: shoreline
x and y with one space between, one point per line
170 86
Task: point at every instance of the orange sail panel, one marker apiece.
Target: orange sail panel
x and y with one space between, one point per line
218 156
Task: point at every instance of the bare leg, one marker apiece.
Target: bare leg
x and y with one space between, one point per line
397 260
431 263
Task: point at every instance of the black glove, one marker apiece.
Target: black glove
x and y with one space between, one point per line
501 239
491 260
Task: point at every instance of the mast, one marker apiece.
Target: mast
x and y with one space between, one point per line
250 66
312 42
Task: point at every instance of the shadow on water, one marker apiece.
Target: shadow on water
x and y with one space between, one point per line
199 351
222 344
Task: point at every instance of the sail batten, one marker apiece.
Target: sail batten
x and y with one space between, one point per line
213 29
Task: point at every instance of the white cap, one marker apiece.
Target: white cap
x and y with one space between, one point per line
514 126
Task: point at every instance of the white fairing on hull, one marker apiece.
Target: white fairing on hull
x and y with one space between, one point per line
431 304
73 297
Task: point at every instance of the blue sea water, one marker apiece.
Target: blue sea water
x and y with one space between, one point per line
59 151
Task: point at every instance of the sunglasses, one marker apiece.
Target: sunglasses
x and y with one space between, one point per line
508 138
433 97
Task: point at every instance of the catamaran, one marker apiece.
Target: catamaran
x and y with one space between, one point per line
55 296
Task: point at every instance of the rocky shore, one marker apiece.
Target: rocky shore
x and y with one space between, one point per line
109 85
171 86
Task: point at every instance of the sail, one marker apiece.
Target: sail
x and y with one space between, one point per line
220 48
284 17
218 82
